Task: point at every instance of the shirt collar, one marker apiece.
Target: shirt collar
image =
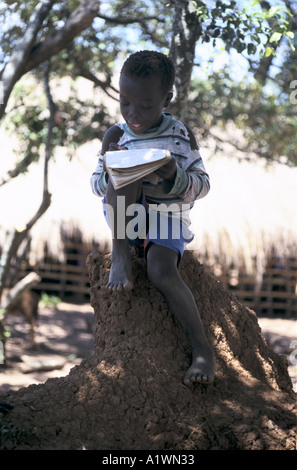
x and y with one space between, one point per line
167 121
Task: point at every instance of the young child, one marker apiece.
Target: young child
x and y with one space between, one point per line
146 83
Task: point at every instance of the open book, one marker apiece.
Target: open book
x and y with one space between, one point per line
126 166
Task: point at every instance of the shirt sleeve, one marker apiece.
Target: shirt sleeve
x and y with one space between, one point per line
99 178
191 181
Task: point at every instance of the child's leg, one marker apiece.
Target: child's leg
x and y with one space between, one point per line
120 276
164 274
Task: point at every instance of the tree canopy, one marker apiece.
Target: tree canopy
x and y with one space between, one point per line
89 39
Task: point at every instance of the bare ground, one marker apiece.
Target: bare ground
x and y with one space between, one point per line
64 337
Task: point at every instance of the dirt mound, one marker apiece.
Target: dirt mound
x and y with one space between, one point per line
129 394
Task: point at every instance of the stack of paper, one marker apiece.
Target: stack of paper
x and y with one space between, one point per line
126 166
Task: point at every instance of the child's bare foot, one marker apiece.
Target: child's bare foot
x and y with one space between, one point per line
202 369
120 277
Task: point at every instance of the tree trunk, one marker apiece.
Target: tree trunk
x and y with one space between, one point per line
186 31
14 251
129 393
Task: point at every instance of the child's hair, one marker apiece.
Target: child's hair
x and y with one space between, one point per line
146 63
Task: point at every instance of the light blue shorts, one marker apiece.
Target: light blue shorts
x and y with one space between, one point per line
163 230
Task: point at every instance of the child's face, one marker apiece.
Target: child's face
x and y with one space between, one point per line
142 100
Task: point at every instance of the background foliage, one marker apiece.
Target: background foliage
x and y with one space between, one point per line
253 41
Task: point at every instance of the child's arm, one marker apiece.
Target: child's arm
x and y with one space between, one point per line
99 178
191 181
168 171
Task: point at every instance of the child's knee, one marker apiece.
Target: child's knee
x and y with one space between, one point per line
161 276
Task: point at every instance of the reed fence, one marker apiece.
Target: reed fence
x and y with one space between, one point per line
275 292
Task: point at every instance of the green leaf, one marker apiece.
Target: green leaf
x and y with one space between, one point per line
273 10
275 37
269 51
290 34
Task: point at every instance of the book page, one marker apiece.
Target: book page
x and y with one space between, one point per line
122 159
126 166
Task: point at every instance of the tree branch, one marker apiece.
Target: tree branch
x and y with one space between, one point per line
19 168
104 85
129 20
14 68
78 21
29 281
261 71
26 57
46 199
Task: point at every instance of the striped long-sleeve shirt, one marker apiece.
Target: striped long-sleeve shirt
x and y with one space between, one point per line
191 182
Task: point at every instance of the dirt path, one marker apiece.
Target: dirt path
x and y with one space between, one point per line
65 336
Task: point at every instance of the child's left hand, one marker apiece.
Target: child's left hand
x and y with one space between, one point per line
167 171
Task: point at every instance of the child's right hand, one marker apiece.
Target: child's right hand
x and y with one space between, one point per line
113 146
